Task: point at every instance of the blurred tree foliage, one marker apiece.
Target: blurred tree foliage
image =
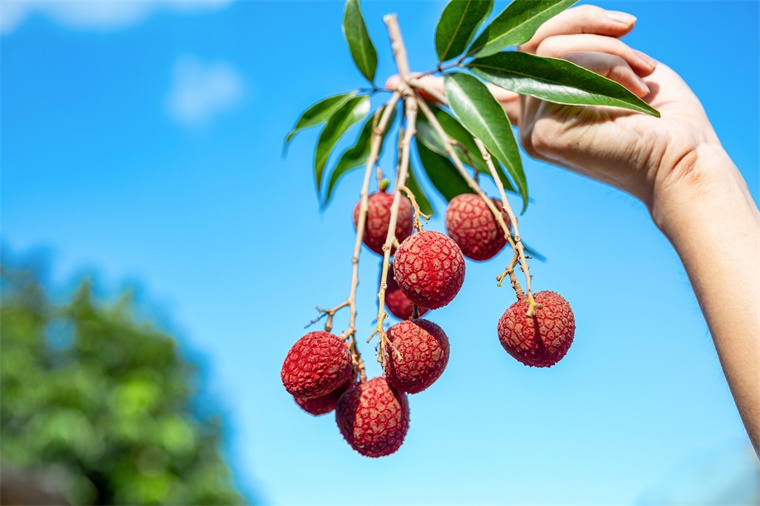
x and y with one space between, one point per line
104 399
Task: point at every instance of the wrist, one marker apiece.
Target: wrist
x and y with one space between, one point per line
704 185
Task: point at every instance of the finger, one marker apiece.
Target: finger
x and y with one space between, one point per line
583 19
559 45
612 67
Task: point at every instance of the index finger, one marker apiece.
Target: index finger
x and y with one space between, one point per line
583 19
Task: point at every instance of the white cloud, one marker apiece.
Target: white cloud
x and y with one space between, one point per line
201 90
98 15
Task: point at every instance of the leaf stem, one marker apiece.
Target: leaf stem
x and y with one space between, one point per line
440 69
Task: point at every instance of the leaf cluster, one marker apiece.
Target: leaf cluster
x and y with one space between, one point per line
482 55
105 400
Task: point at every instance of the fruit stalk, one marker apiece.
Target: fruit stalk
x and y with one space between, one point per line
410 111
376 141
516 244
417 212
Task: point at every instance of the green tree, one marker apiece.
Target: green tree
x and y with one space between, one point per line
103 399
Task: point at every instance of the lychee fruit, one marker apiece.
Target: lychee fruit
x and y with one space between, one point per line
397 303
373 417
417 355
378 218
473 227
325 403
429 268
541 340
316 365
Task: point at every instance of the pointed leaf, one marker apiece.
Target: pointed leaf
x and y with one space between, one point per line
533 253
362 50
442 173
422 200
429 137
484 118
516 25
357 155
346 116
319 113
457 26
554 80
456 131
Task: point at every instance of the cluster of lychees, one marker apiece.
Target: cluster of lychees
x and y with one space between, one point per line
426 273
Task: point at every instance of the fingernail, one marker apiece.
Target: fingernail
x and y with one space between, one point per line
621 17
648 60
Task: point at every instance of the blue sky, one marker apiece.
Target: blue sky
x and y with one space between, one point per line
143 142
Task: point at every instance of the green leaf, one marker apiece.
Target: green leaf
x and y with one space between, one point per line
357 155
344 118
362 50
422 200
554 80
442 173
428 136
457 26
533 253
319 113
516 25
484 118
456 131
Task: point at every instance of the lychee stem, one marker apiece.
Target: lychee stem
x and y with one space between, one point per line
350 333
410 111
410 107
516 244
510 271
417 212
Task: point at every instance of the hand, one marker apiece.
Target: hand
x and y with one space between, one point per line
637 153
640 154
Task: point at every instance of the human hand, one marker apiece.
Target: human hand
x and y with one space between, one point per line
639 154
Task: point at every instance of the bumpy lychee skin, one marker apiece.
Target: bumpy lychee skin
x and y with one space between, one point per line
325 403
397 303
473 227
378 218
429 268
541 340
373 417
316 365
417 355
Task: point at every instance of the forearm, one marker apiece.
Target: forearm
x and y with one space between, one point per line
711 220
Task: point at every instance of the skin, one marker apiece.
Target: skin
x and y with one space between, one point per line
675 165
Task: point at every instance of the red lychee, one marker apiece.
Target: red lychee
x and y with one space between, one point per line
316 365
429 268
417 355
473 227
325 403
543 339
397 303
378 218
373 417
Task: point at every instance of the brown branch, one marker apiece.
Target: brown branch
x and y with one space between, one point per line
416 206
516 243
375 143
410 110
